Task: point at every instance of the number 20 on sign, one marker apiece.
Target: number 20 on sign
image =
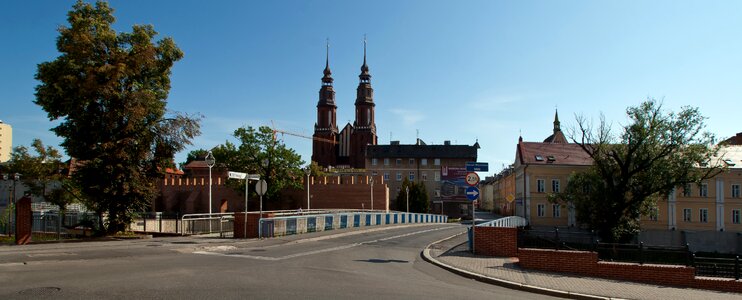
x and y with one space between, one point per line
472 178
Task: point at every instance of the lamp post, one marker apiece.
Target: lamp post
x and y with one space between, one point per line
210 161
308 171
407 189
372 193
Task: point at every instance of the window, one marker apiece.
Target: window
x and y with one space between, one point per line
437 161
654 214
540 185
374 173
399 161
703 216
437 193
704 190
386 161
412 175
412 161
374 161
386 176
555 211
735 216
424 161
555 185
541 210
437 176
399 176
424 176
539 158
686 215
735 190
687 190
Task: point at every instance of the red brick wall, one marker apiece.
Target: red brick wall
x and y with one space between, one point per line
252 224
586 263
496 241
344 192
23 221
576 262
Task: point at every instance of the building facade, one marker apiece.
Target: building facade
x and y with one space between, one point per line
344 148
441 168
6 141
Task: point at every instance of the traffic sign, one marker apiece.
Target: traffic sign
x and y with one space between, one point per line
472 193
261 187
237 175
477 166
510 198
472 178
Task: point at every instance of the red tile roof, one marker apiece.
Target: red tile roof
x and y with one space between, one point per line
552 154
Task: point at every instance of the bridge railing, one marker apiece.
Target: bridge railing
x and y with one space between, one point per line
222 223
510 222
304 222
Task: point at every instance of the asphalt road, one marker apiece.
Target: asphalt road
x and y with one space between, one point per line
381 263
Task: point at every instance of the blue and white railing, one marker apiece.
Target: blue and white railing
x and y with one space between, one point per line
509 222
296 223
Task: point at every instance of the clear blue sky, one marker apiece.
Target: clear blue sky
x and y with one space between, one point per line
454 70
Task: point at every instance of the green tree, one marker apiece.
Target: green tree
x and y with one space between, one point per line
260 153
653 154
42 172
109 90
419 200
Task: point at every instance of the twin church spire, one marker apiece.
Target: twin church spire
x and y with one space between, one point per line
352 140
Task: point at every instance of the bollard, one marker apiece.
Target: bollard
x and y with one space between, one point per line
641 253
736 267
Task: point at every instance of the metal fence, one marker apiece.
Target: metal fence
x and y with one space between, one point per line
293 222
557 239
717 266
221 223
509 222
53 225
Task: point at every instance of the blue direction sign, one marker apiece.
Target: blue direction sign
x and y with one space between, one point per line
472 193
477 166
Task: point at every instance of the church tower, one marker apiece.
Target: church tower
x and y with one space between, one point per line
324 152
364 126
558 137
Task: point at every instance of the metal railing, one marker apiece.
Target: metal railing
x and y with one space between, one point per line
293 222
509 222
222 223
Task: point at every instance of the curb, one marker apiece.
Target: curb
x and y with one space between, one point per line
425 254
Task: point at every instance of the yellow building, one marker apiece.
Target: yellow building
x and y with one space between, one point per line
714 204
6 141
543 168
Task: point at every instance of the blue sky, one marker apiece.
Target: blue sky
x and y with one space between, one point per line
452 70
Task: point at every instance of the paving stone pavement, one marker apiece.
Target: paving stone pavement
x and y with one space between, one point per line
455 253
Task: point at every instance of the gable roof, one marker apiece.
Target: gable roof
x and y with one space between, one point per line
534 153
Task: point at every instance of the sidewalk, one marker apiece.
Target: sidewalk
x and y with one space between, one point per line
453 254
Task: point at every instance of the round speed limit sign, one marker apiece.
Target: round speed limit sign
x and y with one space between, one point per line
472 179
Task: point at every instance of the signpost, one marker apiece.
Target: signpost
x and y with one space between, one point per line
246 177
477 166
261 187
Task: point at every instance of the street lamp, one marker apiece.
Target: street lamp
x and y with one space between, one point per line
210 161
308 171
407 189
372 193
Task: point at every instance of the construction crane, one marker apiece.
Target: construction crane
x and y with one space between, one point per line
276 131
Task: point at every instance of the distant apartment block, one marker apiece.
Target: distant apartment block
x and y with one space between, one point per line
6 141
441 168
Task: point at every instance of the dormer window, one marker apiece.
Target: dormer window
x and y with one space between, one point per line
539 158
730 162
551 158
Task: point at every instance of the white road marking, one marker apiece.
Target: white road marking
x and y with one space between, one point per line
269 258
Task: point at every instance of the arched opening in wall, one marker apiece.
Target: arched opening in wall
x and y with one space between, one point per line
223 207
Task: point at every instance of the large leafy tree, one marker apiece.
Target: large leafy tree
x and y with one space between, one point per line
654 153
258 152
419 200
109 90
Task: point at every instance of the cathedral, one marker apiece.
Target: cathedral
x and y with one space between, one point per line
344 148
